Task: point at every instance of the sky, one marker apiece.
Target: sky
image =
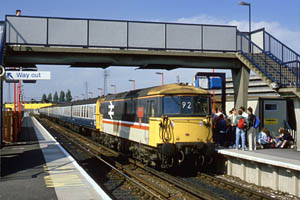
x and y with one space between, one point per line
280 18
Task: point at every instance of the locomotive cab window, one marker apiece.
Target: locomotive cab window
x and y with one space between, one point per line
171 105
186 105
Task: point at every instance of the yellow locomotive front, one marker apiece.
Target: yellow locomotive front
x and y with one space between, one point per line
184 130
162 126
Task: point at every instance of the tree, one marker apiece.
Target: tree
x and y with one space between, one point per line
62 96
55 97
49 97
44 98
68 96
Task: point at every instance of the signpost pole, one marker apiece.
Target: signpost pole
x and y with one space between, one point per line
1 114
19 106
14 115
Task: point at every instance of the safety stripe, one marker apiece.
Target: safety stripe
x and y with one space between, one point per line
141 126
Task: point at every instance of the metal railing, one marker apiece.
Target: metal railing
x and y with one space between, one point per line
279 72
96 33
293 132
278 50
282 53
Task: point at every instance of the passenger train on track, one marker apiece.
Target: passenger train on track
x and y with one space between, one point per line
161 126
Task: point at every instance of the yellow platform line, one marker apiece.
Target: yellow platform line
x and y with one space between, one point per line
59 177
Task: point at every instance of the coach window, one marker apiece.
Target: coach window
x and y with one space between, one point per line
150 108
126 108
91 113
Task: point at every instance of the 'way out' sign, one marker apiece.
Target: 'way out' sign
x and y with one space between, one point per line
28 75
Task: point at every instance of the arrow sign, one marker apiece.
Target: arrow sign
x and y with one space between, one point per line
9 76
111 112
28 75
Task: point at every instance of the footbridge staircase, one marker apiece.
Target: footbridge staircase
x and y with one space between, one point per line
270 59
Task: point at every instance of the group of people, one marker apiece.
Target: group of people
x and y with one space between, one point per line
229 130
283 140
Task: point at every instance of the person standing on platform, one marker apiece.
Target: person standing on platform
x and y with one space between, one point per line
232 118
251 132
218 116
241 124
244 112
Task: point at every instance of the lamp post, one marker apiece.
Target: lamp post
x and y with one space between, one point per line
114 87
92 95
133 83
101 91
242 3
162 77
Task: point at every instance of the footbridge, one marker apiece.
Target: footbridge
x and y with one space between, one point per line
27 41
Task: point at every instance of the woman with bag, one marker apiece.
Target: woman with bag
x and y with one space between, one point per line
241 124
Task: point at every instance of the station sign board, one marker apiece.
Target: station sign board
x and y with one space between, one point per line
28 75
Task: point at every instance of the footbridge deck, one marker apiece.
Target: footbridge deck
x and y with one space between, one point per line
103 43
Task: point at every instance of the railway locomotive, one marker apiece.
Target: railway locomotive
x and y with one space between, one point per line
161 126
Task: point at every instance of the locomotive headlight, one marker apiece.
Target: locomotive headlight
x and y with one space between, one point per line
201 123
172 124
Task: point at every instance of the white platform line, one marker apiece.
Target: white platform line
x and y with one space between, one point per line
97 188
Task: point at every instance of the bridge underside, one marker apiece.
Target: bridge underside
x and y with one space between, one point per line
92 57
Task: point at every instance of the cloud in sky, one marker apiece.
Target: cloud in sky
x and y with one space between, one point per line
288 36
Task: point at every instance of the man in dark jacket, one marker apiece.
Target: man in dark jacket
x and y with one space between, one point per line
251 132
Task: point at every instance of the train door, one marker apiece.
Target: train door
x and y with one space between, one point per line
274 113
99 116
150 112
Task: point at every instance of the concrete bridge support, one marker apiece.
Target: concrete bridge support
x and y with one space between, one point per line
297 114
240 79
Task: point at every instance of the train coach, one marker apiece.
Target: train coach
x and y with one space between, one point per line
162 126
76 115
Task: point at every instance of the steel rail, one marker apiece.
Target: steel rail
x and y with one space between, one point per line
243 190
88 148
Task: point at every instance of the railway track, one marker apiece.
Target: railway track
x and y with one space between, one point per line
243 192
147 183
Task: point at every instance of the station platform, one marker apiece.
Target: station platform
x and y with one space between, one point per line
37 167
286 158
278 169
